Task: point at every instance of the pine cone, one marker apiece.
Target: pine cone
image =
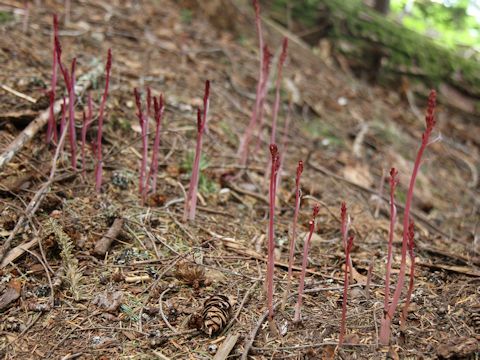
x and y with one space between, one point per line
216 314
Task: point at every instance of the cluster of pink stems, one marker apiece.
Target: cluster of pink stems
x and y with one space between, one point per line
256 118
191 199
69 79
158 110
390 305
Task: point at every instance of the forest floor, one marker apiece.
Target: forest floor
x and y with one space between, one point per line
140 300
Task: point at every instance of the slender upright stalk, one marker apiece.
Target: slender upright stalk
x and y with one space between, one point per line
144 130
291 251
306 249
344 229
71 115
393 218
87 121
275 162
276 105
385 327
245 140
348 265
63 123
411 254
99 165
191 200
51 127
158 109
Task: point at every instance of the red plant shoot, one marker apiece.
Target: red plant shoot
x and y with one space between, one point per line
275 163
142 184
87 121
345 219
276 105
385 328
306 249
191 200
411 254
70 85
245 140
158 108
51 126
99 165
71 115
348 265
63 120
298 194
393 219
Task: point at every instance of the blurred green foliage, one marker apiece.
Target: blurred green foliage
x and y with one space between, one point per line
450 22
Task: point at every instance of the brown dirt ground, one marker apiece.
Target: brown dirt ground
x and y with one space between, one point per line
173 50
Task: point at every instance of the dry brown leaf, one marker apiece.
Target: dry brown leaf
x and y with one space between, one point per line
328 352
10 294
358 174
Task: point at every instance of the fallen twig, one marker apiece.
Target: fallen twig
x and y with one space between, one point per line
103 245
226 347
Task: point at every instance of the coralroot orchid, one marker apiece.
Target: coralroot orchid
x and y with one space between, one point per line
393 218
298 194
70 85
275 164
51 127
348 265
191 200
142 119
87 121
306 249
99 165
388 315
345 219
246 138
281 62
158 108
411 254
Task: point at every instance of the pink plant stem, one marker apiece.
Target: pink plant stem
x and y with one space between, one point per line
141 119
393 219
99 165
344 229
291 252
276 105
306 249
275 162
348 265
267 56
284 148
411 253
70 85
63 118
191 200
51 128
385 327
71 116
245 140
158 108
87 120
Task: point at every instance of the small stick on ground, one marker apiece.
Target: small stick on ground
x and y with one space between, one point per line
226 347
103 245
